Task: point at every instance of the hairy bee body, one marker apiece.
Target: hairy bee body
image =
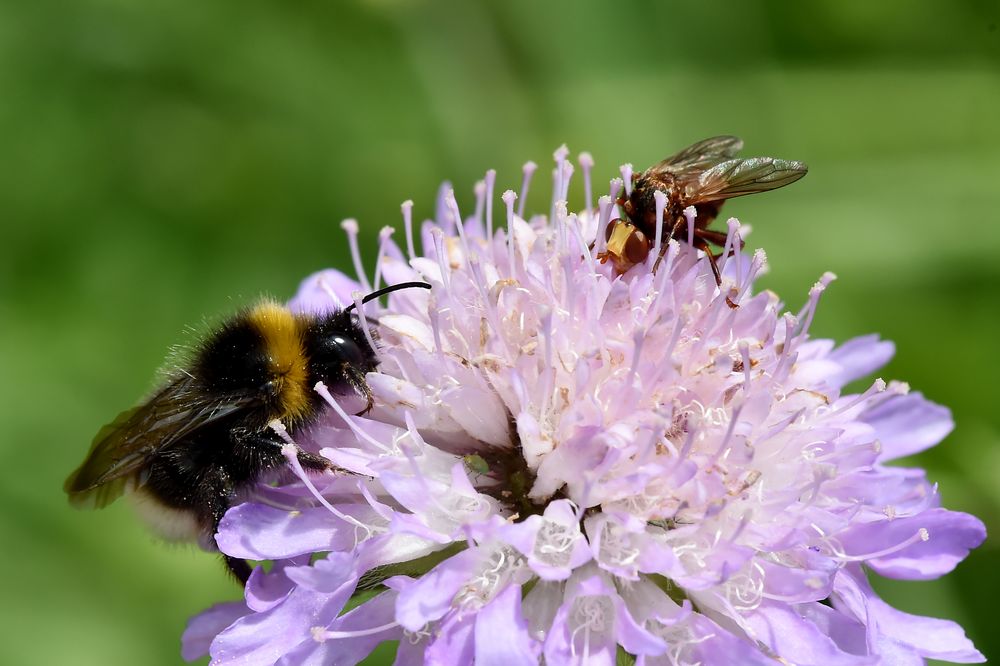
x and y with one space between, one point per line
189 451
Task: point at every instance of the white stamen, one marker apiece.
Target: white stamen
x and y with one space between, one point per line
291 453
732 238
673 249
358 431
442 215
587 163
360 309
603 220
745 355
626 171
559 176
441 252
452 204
508 198
328 290
528 169
724 445
491 178
320 635
920 535
479 190
407 208
614 188
638 337
809 309
756 264
878 386
661 204
383 237
577 231
350 226
690 214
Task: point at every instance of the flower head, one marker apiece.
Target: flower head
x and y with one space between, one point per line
568 463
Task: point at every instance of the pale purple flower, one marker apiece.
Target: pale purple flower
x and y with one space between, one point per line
567 464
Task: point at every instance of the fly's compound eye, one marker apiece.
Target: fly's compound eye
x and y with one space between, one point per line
610 229
636 247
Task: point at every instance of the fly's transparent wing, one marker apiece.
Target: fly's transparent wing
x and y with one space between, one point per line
700 156
739 177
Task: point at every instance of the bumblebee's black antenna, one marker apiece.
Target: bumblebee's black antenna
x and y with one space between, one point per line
388 290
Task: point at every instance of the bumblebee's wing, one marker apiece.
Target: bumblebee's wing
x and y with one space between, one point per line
700 156
122 447
735 178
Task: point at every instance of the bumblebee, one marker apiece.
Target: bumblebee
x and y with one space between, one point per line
702 175
188 452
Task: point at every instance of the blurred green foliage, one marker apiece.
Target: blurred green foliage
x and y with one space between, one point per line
162 161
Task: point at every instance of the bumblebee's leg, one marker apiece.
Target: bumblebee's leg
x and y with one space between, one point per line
216 493
239 569
313 461
356 379
264 449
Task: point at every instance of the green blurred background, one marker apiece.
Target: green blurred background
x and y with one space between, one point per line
164 161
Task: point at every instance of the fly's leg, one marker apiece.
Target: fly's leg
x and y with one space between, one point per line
665 243
702 245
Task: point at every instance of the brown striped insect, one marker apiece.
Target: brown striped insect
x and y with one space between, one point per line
702 175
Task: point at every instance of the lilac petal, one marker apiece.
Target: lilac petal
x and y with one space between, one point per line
906 490
858 358
541 605
429 598
202 629
902 633
347 650
260 532
502 632
454 643
324 291
480 413
794 584
552 542
713 645
264 591
908 424
262 638
952 535
846 632
325 576
798 640
633 637
560 648
721 563
931 637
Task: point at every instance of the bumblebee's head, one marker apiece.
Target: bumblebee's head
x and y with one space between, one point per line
338 350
